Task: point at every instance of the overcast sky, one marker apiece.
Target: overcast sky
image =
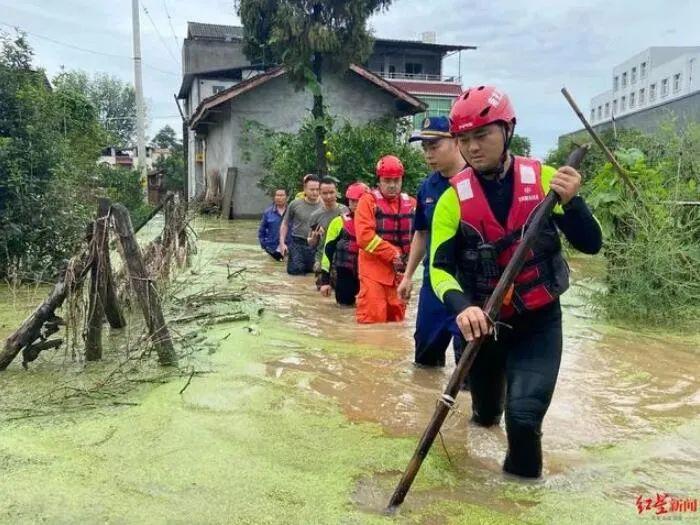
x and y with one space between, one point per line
531 49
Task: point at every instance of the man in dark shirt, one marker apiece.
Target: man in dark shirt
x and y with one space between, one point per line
269 230
435 325
476 228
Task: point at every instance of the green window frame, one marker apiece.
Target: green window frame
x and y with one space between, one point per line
437 107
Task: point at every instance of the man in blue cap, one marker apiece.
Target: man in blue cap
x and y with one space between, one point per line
435 326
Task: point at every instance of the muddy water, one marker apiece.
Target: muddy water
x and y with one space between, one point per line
305 417
617 387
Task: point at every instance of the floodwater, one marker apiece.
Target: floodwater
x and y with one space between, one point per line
615 385
308 417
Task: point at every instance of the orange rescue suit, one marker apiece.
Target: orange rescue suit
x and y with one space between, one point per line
378 301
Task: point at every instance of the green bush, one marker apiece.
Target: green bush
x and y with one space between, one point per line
50 140
353 152
652 240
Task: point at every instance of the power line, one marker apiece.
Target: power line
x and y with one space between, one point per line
86 50
160 37
170 23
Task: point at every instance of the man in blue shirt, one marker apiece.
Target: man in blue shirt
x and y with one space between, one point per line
269 230
435 326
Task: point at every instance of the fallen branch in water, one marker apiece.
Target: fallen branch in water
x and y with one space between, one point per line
227 319
189 380
211 297
234 273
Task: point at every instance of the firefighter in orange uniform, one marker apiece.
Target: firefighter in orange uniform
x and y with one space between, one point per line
383 224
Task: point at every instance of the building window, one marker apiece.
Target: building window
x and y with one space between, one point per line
607 109
632 100
600 112
676 82
643 70
623 103
652 92
592 114
624 79
414 68
642 97
218 89
664 87
437 107
634 75
614 106
616 83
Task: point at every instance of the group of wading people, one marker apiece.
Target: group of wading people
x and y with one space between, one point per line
464 225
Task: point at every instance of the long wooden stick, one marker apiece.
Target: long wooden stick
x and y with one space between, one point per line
596 138
492 308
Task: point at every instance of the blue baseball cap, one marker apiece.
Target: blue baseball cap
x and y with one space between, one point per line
433 128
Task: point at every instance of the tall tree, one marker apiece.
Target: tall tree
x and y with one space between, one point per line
166 138
113 99
309 37
520 145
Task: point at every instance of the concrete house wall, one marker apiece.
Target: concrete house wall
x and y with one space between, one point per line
277 105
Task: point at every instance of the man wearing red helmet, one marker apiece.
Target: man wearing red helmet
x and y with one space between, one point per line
340 251
383 223
476 227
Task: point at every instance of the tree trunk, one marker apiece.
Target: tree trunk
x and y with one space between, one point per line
145 289
96 312
30 330
318 114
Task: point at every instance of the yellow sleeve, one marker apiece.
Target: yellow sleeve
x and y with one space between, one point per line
444 228
332 234
548 173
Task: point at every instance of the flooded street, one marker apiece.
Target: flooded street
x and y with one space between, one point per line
615 386
307 417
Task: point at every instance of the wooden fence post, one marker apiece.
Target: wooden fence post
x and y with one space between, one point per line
146 292
110 302
95 311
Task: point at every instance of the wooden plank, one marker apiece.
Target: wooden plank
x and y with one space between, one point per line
229 188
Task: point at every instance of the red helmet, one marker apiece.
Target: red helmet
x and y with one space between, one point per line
390 167
479 106
356 190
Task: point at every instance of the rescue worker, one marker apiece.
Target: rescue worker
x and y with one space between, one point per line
383 223
298 221
340 251
269 229
435 325
476 226
321 218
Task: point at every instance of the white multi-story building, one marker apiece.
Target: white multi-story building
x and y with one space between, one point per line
655 76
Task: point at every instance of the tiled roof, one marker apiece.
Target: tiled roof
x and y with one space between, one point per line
214 31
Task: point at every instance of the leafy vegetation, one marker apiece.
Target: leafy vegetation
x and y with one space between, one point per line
50 140
352 153
652 240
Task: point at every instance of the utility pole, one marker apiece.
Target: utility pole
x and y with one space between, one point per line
138 87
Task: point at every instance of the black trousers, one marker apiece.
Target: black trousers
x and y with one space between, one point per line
347 286
518 373
301 257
